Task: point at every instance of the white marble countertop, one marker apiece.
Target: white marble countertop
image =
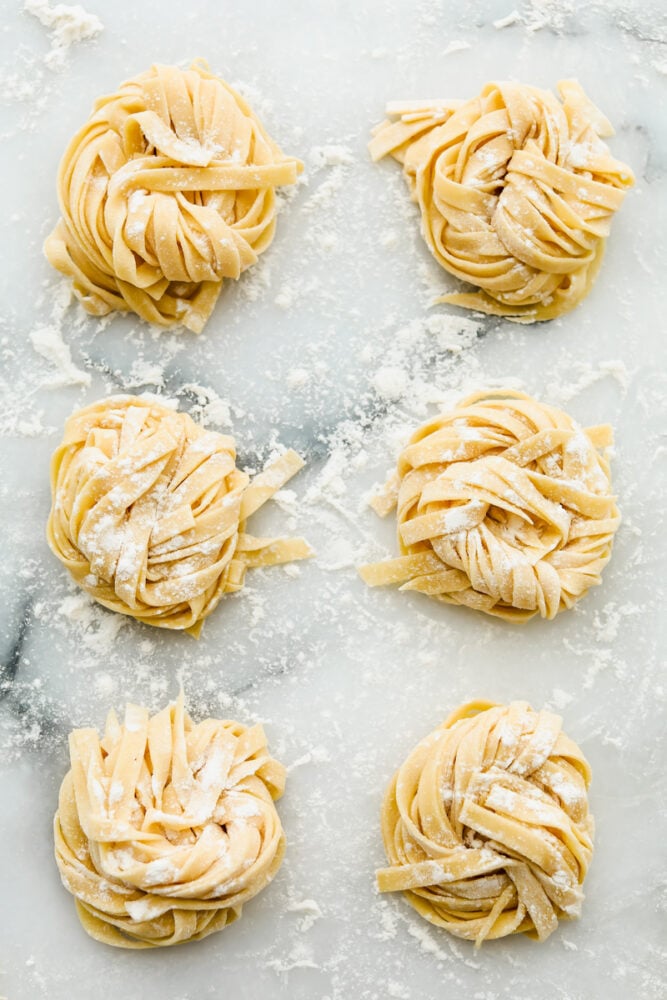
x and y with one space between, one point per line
330 345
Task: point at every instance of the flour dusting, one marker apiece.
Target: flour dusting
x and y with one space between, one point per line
67 26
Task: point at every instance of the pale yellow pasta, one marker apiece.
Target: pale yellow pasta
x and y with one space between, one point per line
149 512
166 828
516 190
169 188
486 825
504 505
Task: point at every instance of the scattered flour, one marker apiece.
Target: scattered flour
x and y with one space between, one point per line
583 376
514 17
560 698
97 629
390 382
337 161
48 342
67 25
309 913
300 957
316 755
208 408
330 156
456 45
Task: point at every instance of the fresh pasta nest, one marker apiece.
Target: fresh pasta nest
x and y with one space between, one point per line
166 828
169 188
149 512
504 505
486 825
516 190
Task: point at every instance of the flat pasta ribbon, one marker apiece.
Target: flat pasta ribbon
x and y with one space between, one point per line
168 188
516 190
166 828
503 505
486 825
149 512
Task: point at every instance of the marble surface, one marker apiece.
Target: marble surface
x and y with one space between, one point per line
331 346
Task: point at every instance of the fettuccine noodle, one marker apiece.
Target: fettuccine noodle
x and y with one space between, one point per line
503 505
168 188
516 189
166 828
149 512
486 825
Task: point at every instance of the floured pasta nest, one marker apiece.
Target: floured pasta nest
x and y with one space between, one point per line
169 188
503 505
486 825
149 512
165 828
516 189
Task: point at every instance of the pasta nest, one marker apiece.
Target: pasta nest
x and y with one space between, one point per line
486 825
516 191
149 512
503 505
165 828
168 188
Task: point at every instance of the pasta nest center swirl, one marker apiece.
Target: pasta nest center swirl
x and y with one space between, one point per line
503 505
516 190
168 189
165 828
486 825
149 512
